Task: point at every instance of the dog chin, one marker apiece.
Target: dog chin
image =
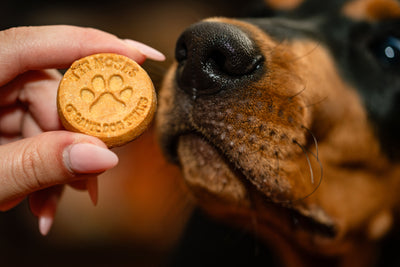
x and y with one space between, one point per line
210 175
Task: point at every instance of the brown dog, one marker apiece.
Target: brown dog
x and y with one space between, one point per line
291 121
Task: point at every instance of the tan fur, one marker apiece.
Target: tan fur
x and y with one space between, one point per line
372 10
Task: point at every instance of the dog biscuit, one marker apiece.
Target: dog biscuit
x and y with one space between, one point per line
108 96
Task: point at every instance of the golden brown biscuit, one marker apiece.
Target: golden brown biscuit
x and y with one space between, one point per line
108 96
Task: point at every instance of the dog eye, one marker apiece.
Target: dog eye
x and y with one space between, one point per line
387 51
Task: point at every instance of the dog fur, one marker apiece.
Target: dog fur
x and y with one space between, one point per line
306 142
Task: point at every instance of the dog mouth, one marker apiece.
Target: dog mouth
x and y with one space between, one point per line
225 188
222 160
209 172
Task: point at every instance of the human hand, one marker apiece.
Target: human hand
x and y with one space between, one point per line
37 158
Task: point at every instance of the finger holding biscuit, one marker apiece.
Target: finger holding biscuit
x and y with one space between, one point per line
36 155
44 47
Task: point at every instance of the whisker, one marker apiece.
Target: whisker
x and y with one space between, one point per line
314 138
308 160
308 53
320 179
278 168
297 94
277 163
277 46
316 157
318 44
156 72
306 152
155 68
316 103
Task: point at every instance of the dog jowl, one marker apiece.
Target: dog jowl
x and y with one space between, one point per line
292 121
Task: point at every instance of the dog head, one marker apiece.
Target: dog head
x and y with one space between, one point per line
291 120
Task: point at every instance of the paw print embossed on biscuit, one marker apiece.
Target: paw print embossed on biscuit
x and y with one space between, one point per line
106 94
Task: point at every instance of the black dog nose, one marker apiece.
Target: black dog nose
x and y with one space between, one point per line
215 56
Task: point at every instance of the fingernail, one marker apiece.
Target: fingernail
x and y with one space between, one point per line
89 158
45 223
146 50
47 213
92 189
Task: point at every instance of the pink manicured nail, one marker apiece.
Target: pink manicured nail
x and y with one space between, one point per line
89 158
92 189
146 50
48 212
45 223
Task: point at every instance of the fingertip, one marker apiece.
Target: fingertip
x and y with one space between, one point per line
49 159
56 46
88 158
44 204
146 50
45 224
92 188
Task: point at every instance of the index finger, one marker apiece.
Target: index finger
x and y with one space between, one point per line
42 47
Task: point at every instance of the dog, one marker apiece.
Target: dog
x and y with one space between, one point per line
290 121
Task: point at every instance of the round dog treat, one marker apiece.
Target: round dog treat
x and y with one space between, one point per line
108 96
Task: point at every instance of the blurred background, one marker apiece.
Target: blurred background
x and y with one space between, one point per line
145 216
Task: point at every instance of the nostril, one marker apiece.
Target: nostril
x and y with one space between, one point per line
181 52
236 64
215 56
218 59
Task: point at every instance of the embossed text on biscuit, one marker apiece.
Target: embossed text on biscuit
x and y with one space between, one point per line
103 127
101 62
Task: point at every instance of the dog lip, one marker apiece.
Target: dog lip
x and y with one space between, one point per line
209 171
169 145
202 144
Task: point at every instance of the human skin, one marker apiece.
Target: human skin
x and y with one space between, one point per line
38 157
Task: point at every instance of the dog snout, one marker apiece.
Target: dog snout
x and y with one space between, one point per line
214 56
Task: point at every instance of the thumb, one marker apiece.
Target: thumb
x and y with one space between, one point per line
49 159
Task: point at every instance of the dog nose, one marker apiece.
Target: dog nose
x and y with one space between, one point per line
215 56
